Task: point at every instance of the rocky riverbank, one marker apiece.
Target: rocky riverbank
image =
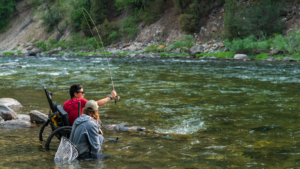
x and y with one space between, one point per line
212 50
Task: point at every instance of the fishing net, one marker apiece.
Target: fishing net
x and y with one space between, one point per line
66 152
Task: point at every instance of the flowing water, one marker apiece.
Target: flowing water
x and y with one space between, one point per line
217 114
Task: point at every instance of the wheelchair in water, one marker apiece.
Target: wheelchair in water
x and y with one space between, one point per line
58 121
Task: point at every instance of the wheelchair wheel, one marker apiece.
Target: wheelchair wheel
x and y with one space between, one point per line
62 131
42 129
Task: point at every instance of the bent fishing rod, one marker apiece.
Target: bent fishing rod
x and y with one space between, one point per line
117 98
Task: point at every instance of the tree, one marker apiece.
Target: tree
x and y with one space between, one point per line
7 8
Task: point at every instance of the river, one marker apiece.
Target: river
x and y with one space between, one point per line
216 114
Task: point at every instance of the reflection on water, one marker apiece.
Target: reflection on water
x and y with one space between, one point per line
219 114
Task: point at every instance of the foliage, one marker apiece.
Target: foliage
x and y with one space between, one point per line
77 16
259 18
48 20
42 45
7 8
152 12
8 53
187 22
129 26
262 56
218 55
185 41
105 30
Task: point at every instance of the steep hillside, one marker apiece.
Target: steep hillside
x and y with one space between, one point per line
26 25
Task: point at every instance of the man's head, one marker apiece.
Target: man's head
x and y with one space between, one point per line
91 109
76 91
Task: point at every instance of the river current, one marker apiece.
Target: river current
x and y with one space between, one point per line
215 114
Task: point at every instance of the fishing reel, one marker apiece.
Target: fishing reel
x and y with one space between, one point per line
117 98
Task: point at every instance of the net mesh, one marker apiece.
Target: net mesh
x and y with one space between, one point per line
66 152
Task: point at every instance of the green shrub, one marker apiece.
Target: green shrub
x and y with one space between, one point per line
185 41
187 22
152 48
8 53
76 14
42 45
262 56
19 52
48 20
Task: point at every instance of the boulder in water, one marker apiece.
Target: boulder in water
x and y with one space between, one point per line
11 103
23 117
16 124
37 117
6 113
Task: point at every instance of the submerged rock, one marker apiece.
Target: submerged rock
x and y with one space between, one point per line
6 113
24 117
10 65
37 117
16 124
11 103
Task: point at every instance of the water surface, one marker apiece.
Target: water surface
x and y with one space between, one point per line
218 114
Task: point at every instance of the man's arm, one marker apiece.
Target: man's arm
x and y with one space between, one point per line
105 100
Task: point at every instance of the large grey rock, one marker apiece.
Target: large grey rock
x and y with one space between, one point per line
37 117
23 117
170 48
51 52
6 113
196 49
286 59
10 102
16 124
240 57
177 51
10 65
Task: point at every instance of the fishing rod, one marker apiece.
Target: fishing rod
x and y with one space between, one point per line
117 98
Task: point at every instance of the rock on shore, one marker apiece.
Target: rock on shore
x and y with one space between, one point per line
11 103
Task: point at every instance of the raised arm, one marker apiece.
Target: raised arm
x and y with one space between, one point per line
107 99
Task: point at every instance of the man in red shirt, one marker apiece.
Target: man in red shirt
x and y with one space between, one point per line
77 94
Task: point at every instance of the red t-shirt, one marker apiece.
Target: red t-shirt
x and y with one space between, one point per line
71 107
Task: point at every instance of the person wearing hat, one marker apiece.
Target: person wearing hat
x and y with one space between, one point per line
77 94
86 133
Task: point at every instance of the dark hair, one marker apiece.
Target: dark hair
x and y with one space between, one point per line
75 89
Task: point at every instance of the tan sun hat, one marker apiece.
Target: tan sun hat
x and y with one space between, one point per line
92 104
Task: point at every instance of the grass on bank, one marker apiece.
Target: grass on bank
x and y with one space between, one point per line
8 53
218 55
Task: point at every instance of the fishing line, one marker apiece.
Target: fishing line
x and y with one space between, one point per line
112 82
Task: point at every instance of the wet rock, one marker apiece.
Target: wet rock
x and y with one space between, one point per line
23 117
213 58
293 60
31 53
6 113
277 59
10 65
1 120
132 55
196 49
286 59
37 117
16 124
270 59
10 102
240 57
